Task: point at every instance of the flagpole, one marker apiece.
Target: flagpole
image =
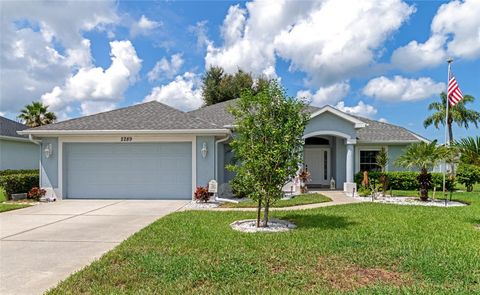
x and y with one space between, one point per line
447 140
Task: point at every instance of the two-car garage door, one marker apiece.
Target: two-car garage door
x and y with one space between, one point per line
128 170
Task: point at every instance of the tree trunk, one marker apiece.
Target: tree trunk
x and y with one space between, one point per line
424 186
259 211
265 213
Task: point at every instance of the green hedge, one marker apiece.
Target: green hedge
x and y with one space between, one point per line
404 180
23 171
18 183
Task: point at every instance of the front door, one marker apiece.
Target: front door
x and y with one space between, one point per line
317 160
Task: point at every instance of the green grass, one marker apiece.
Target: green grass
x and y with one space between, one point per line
363 248
3 196
8 206
298 200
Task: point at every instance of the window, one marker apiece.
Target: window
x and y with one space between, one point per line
368 161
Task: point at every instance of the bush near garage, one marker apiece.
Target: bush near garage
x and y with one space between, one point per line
19 183
22 171
404 180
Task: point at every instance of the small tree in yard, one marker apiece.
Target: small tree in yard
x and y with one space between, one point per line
423 156
382 161
268 145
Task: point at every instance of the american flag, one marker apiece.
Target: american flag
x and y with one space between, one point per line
454 93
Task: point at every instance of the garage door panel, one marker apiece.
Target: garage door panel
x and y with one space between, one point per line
133 170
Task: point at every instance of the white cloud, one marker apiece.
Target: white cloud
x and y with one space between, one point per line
183 93
166 68
319 38
143 26
42 44
93 107
332 44
326 95
455 31
415 56
200 31
402 89
361 109
383 120
94 84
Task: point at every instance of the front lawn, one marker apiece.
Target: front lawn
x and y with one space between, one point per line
8 206
4 207
297 200
364 248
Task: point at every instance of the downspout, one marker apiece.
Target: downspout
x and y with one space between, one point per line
38 142
216 155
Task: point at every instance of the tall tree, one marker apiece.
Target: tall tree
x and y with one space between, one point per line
459 114
218 86
268 144
423 156
36 114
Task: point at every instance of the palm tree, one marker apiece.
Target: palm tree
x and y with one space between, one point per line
423 156
382 162
36 114
469 147
458 114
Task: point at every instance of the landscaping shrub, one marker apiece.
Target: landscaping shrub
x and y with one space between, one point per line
201 194
18 183
468 175
36 193
405 180
364 191
23 171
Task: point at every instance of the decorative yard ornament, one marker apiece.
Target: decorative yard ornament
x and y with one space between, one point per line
332 183
365 179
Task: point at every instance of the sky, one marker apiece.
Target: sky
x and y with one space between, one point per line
381 59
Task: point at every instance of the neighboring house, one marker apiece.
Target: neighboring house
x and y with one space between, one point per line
16 151
153 151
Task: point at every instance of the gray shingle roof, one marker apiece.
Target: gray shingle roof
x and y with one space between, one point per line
146 116
383 132
10 128
375 131
217 113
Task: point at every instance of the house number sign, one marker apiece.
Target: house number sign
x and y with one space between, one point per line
126 138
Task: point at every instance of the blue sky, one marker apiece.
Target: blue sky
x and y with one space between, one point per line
380 59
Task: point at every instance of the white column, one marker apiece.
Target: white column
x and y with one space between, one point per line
349 186
349 168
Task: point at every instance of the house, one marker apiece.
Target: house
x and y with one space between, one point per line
153 151
16 151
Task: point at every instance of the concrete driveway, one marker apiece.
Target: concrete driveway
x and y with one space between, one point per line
44 244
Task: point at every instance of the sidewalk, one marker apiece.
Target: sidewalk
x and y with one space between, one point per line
338 198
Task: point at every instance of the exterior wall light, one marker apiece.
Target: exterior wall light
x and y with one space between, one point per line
204 150
48 151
